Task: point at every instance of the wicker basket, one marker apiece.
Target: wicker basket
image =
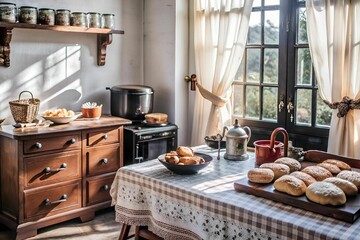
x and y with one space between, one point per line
24 110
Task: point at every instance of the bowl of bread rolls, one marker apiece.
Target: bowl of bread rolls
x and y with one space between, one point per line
184 160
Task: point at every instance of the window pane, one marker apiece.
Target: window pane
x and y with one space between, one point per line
301 31
253 65
271 59
252 102
238 100
303 67
323 113
254 32
271 27
270 103
239 76
271 2
303 106
257 3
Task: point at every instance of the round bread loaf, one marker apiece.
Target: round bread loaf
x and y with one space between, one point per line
331 167
306 178
290 185
156 118
342 165
351 176
325 193
317 172
348 187
184 151
292 163
279 169
260 175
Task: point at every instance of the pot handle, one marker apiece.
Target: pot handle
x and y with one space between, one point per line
248 130
286 139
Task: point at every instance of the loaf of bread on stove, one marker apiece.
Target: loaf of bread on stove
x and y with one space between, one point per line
260 175
290 185
325 193
156 118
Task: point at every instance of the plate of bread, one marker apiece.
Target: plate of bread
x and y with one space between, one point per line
60 115
329 187
184 160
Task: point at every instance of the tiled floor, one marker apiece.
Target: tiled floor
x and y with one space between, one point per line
102 227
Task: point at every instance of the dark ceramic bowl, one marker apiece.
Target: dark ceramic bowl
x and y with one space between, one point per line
186 169
213 143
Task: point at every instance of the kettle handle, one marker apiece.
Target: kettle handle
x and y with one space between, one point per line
248 130
224 130
286 138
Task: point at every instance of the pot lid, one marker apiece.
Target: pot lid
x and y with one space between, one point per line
133 89
237 131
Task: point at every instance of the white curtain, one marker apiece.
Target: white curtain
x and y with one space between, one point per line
220 28
334 39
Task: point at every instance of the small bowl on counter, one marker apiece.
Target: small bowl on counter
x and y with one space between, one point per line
212 142
91 110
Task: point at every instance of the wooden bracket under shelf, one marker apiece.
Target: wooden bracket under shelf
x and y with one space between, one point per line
104 38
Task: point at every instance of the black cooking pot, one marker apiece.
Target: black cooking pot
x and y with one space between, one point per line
131 101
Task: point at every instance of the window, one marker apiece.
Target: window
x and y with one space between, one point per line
275 85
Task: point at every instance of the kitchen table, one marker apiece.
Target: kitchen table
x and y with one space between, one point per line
206 206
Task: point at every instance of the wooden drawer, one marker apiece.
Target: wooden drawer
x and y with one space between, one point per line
102 159
97 188
65 142
52 168
102 136
41 202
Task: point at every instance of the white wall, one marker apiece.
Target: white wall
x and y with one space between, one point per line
61 68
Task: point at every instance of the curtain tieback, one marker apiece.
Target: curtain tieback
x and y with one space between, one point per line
216 100
344 106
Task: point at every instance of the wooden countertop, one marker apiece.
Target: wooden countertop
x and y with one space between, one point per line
78 124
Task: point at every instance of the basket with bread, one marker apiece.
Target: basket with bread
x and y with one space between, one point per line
330 182
184 160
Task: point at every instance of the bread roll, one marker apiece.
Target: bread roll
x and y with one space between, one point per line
325 193
348 187
184 151
173 159
306 178
351 176
317 172
290 185
279 169
260 175
292 163
331 167
342 165
156 118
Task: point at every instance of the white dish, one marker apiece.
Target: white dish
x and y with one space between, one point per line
62 120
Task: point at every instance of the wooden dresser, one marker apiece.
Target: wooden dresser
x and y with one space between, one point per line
53 174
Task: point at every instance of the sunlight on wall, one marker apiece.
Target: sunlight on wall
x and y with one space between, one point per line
53 80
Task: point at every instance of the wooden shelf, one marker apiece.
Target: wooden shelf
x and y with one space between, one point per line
104 38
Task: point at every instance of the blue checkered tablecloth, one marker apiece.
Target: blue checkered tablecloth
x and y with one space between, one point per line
206 206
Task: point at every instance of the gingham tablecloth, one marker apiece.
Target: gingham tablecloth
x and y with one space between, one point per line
206 206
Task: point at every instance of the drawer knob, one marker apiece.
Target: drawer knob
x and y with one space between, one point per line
62 199
49 170
104 160
38 145
73 140
106 136
106 187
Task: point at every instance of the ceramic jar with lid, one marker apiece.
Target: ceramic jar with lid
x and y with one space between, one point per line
7 12
94 19
28 15
62 17
108 21
46 16
78 19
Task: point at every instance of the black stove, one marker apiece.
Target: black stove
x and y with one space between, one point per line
144 142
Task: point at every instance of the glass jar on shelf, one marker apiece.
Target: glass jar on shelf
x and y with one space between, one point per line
8 12
46 16
78 19
108 20
94 19
28 15
62 17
